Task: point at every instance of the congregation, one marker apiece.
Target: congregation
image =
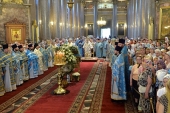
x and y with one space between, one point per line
141 66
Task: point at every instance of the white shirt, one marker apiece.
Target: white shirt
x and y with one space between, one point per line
161 92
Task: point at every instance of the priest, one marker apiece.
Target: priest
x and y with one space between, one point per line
118 85
124 52
40 57
24 63
32 62
98 48
16 56
8 65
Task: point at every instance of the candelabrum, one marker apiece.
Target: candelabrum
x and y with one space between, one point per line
59 61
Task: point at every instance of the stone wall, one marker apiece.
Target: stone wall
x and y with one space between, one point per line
11 11
162 3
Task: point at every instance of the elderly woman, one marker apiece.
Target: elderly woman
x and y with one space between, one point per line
167 60
145 85
164 101
160 73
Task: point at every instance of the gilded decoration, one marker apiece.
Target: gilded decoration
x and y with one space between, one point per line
11 12
164 22
13 1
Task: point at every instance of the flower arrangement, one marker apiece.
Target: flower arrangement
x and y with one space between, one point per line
69 57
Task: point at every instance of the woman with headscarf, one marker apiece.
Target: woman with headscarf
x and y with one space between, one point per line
160 73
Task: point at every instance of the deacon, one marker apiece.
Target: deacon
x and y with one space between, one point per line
18 72
98 48
24 63
8 70
45 56
50 54
32 62
118 85
105 42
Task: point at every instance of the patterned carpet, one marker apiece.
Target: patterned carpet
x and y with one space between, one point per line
27 92
89 99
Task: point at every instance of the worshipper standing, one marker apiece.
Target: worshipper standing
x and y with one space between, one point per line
40 55
160 73
24 63
104 47
126 60
17 57
98 48
167 60
113 56
87 47
32 62
79 44
118 85
134 78
164 101
8 69
45 56
162 90
50 54
108 46
145 85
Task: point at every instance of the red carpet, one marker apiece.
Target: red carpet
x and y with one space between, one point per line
50 103
107 105
26 84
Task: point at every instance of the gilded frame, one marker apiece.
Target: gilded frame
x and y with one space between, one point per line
163 22
15 31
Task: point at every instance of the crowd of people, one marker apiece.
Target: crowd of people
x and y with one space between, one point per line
142 66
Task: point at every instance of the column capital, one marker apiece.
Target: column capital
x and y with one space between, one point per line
114 2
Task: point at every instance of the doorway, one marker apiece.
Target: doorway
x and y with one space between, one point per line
105 32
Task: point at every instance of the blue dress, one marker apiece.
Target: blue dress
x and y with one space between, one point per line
79 44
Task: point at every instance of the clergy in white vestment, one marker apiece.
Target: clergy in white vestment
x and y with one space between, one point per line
87 47
40 57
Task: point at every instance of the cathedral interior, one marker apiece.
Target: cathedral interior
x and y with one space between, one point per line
37 35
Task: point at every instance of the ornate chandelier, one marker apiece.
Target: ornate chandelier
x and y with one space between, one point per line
101 22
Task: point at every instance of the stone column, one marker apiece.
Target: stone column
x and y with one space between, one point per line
45 18
75 19
114 19
95 12
82 24
56 17
78 18
70 18
63 17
